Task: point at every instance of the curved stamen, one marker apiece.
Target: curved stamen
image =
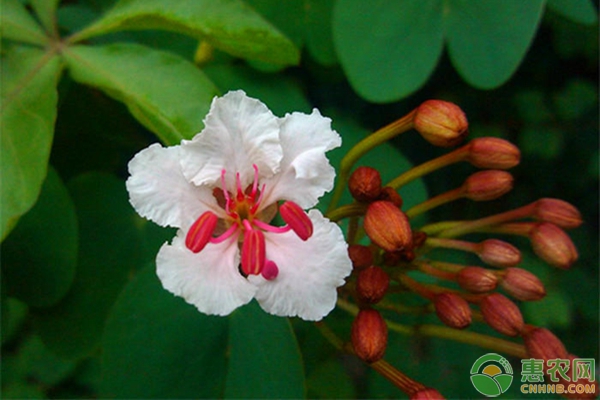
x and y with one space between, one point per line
225 235
257 202
255 183
240 190
270 228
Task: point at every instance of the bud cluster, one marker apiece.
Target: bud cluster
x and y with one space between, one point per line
390 253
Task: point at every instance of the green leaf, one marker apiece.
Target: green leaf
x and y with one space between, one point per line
166 93
109 252
488 39
229 25
319 38
29 98
265 360
46 12
39 257
17 24
388 49
157 346
580 11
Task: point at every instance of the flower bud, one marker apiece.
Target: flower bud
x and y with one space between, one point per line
543 344
487 185
369 335
452 310
426 394
372 284
361 256
553 245
477 279
523 285
387 226
389 194
502 314
365 184
498 253
441 123
494 153
557 212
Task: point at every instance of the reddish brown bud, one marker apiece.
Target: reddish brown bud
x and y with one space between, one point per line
369 335
494 153
553 245
387 226
523 285
477 279
501 314
543 344
361 256
365 184
498 253
487 185
372 284
557 212
426 394
441 123
389 194
452 310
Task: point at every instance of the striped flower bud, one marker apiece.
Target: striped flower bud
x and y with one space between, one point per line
371 284
441 123
361 256
369 335
522 285
553 245
389 194
543 344
477 279
493 153
387 226
557 212
365 184
498 253
452 310
501 314
487 185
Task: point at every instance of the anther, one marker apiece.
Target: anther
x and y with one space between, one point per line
253 252
201 232
297 219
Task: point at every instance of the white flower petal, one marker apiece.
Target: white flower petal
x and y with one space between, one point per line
305 173
239 132
309 272
158 190
209 280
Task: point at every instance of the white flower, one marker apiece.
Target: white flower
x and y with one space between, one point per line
223 188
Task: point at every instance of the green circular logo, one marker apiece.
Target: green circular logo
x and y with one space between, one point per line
491 374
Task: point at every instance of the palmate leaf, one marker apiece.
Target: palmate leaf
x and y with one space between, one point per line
389 49
46 13
229 25
27 115
166 93
17 24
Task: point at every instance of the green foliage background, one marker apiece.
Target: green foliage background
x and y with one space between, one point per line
88 83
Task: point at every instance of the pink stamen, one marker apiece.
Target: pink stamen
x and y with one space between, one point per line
270 228
253 252
240 191
200 233
225 235
257 203
255 183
